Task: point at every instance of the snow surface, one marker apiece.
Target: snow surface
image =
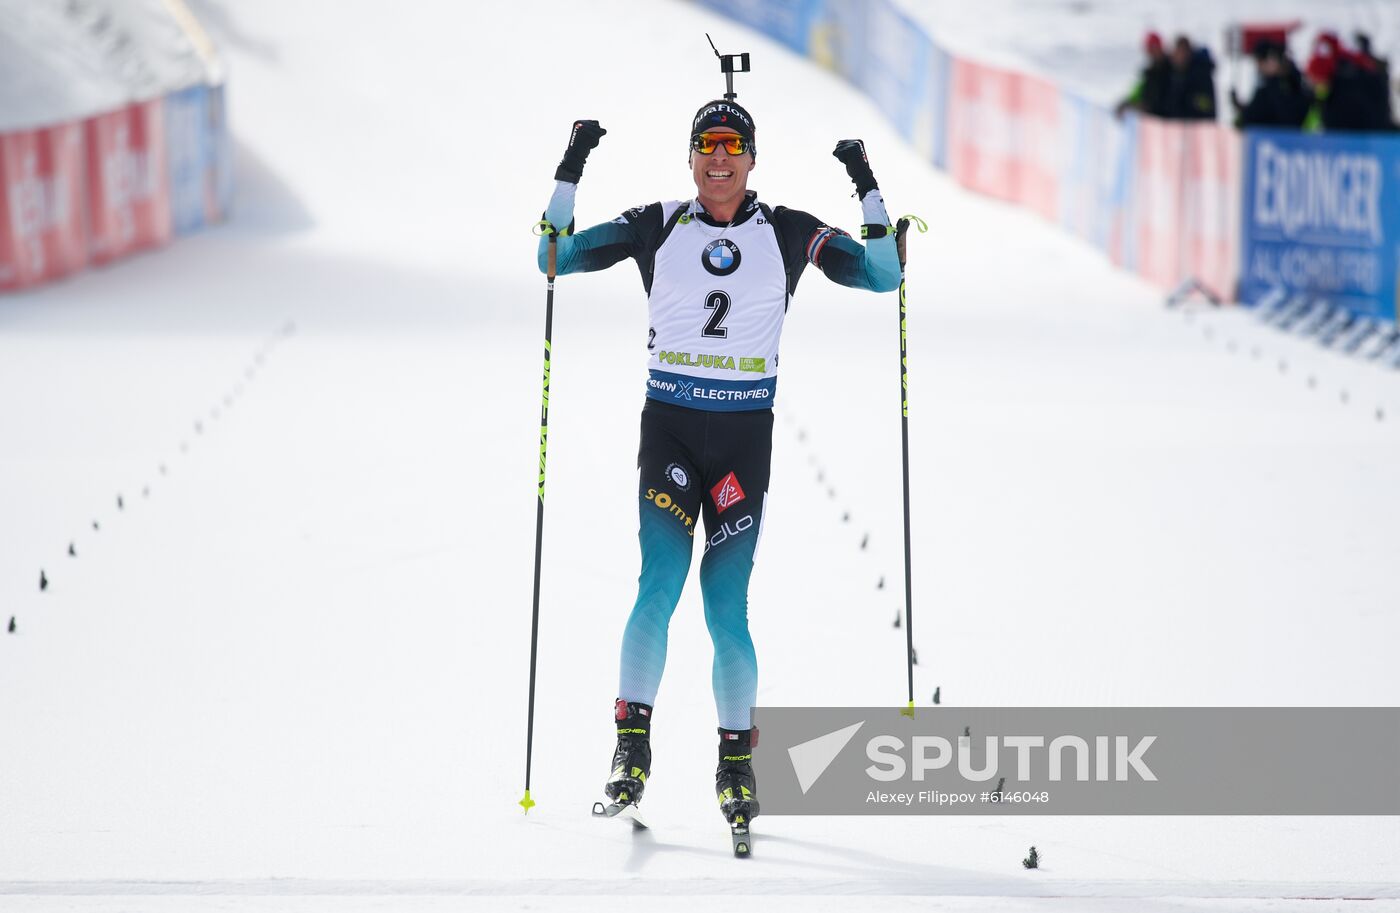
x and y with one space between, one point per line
289 673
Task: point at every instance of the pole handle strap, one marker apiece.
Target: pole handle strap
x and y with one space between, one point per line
545 227
910 217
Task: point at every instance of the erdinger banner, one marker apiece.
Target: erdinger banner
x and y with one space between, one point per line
127 181
1078 760
41 205
1322 216
1004 135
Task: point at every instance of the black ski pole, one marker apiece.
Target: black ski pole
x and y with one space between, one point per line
901 235
527 803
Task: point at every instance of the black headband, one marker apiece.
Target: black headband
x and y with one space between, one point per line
724 114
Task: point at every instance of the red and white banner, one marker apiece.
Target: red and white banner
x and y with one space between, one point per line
1043 146
1186 204
1158 201
1004 135
982 129
1211 216
128 188
42 205
99 189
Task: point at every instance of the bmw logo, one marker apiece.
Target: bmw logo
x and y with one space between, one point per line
721 257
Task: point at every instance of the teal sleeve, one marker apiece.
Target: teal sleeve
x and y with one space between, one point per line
591 249
873 266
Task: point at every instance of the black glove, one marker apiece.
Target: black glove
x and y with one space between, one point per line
584 137
851 153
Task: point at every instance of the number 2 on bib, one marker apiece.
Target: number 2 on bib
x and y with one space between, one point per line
714 327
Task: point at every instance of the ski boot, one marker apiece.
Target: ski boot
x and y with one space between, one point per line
735 786
631 761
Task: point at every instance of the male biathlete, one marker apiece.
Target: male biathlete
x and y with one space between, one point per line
719 271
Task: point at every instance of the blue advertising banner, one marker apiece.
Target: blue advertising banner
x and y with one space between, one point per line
1118 198
933 124
838 37
199 156
1096 175
188 154
787 21
898 56
1080 170
1321 215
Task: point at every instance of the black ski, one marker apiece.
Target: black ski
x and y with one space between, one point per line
743 840
739 834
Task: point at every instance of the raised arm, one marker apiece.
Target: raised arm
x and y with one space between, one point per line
873 265
595 248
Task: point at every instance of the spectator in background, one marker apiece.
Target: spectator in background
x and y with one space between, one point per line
1379 82
1149 94
1363 48
1344 86
1190 83
1281 99
1322 67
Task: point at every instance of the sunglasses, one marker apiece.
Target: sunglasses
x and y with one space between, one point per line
706 143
